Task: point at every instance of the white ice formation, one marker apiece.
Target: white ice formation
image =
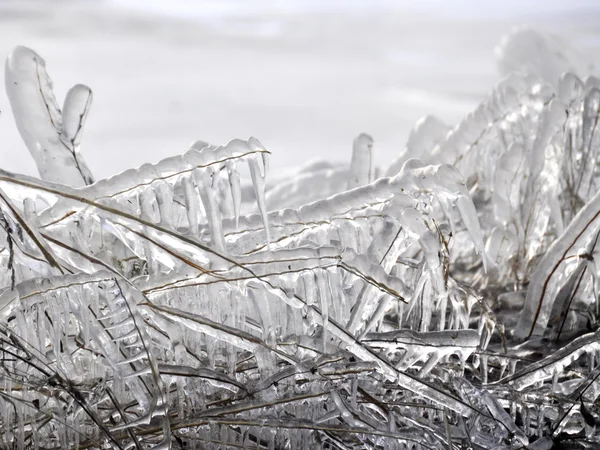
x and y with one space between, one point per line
450 302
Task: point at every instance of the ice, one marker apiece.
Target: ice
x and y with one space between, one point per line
554 56
75 110
52 139
546 368
547 278
507 182
361 166
236 190
428 132
257 171
202 302
428 346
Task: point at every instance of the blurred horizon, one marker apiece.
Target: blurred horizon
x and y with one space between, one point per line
466 8
305 77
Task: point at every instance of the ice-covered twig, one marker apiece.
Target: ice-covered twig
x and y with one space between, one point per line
52 136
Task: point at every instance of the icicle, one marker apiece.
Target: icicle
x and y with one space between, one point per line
324 297
148 206
29 211
484 369
362 161
258 182
164 199
206 179
192 204
236 190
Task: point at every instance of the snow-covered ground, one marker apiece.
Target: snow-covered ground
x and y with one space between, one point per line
305 77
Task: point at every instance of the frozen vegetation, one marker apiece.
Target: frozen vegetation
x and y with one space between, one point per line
448 300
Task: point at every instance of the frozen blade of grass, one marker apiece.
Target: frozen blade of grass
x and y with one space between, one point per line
547 277
555 363
187 319
40 121
75 110
483 399
32 232
408 382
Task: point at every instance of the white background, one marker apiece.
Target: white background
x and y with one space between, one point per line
305 77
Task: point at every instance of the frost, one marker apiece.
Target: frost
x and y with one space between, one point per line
447 300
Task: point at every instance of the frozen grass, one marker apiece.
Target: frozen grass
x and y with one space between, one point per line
449 301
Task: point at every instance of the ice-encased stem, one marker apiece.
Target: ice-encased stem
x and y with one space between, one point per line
52 137
542 290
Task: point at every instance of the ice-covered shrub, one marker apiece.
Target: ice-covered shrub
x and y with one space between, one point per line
192 303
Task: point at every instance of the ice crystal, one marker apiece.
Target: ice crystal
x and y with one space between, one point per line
448 300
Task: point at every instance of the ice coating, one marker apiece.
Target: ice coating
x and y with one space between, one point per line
361 166
518 93
547 278
257 172
75 110
159 191
52 139
428 132
556 363
291 192
481 398
196 303
430 346
236 190
441 180
554 56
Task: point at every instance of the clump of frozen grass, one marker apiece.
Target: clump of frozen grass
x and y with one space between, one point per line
192 304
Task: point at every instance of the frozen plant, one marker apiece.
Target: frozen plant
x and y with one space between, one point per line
193 303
